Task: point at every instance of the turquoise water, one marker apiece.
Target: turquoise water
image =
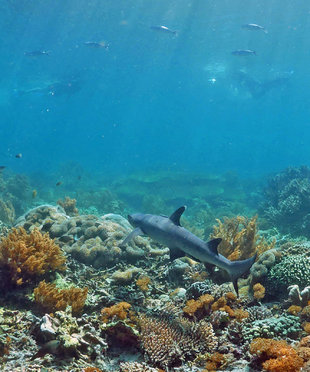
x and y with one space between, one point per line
154 100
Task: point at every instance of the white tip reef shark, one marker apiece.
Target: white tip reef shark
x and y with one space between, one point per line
169 232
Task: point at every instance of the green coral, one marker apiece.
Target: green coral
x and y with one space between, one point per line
290 270
275 328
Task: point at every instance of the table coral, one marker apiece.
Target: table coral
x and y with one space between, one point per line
26 256
52 299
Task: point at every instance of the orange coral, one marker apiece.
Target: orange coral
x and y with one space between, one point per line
276 356
240 238
26 256
193 305
240 314
216 361
306 327
53 299
143 283
120 311
294 309
259 291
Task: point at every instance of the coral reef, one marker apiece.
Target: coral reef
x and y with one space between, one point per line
51 299
7 212
240 238
167 342
90 239
276 356
69 205
290 270
287 201
26 256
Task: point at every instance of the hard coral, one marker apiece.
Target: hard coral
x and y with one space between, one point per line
27 256
276 356
53 299
168 341
240 238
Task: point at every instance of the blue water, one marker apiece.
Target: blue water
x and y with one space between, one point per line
153 100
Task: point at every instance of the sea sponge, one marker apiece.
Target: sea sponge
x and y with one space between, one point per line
276 356
53 299
26 256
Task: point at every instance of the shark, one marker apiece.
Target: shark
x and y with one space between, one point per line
181 242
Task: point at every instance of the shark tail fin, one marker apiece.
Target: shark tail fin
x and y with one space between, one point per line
238 268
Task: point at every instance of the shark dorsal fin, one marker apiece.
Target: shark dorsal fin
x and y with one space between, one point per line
213 244
175 217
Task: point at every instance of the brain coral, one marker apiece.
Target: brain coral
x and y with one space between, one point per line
290 270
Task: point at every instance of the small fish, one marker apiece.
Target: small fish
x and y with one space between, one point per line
2 167
95 44
58 183
19 156
244 52
164 29
254 27
37 53
34 194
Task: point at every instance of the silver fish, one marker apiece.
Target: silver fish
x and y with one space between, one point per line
254 27
244 52
164 29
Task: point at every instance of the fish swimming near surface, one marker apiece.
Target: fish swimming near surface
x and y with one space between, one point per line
37 53
95 44
164 29
254 27
181 242
244 52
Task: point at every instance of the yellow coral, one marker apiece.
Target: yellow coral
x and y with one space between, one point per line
240 239
26 256
193 305
259 291
53 299
120 311
143 283
294 310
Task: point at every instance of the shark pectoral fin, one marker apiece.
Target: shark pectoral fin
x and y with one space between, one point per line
175 217
132 235
235 284
175 253
213 245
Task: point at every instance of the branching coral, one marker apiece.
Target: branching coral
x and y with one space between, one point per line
240 238
167 342
53 299
26 256
276 356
